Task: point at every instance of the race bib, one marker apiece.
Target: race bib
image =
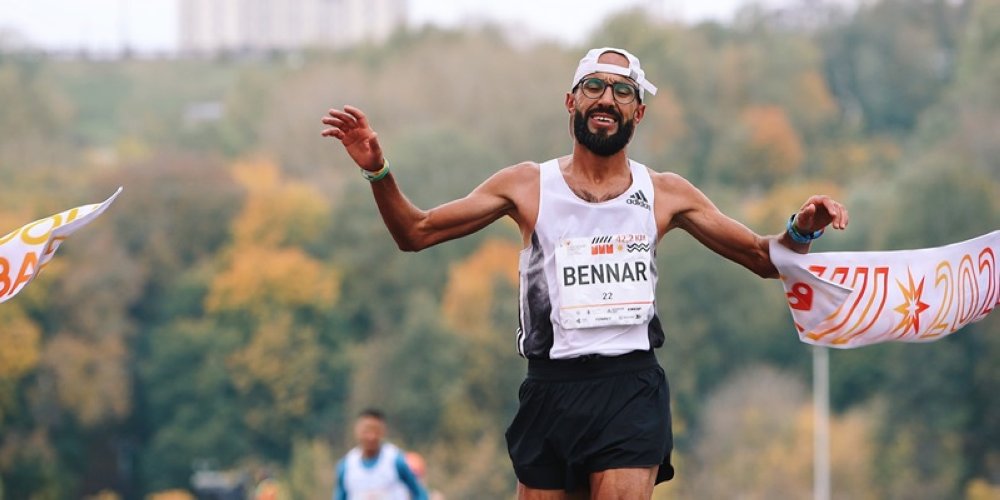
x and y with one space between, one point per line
605 280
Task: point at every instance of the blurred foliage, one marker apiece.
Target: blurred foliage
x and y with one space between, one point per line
242 301
758 442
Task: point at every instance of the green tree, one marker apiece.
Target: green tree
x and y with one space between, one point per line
891 60
190 405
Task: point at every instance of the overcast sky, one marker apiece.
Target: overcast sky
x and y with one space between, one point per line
151 25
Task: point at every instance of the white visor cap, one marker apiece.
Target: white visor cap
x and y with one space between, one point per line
589 65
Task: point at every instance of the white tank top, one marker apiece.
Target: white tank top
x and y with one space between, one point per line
380 481
588 279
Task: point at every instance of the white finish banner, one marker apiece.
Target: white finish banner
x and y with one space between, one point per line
852 299
24 252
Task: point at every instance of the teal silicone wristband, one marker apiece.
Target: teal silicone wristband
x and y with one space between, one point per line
797 236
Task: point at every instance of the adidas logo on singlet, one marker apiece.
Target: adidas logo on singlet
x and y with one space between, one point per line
638 199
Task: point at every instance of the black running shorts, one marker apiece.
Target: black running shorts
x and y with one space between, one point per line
590 414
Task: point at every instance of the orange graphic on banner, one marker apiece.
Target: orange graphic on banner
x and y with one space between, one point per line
988 263
968 285
942 281
911 307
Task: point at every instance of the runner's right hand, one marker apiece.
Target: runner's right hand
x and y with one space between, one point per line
361 142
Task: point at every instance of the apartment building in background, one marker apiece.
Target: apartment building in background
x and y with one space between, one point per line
209 27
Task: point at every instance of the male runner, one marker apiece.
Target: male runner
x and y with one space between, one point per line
594 410
375 469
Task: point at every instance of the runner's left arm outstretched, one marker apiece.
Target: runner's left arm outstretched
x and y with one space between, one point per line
687 207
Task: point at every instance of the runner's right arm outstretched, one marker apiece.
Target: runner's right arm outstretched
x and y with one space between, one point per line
412 228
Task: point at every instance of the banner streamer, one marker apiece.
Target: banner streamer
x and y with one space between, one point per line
24 252
853 299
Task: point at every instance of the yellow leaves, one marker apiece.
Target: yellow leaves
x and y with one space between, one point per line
170 495
774 146
664 123
770 212
19 343
312 470
12 221
758 442
30 445
103 495
468 297
849 160
269 276
733 74
811 99
852 451
264 280
265 271
131 149
276 211
468 306
475 467
257 176
90 377
981 489
758 149
282 361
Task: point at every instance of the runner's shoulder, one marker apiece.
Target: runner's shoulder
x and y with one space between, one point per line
670 182
525 168
518 174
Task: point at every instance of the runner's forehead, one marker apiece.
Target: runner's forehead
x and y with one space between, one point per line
611 78
612 57
368 421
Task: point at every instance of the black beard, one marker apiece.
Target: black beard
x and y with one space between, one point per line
600 144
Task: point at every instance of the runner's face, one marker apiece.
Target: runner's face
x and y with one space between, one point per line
368 432
602 124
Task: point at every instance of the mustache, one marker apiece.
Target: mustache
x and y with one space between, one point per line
608 110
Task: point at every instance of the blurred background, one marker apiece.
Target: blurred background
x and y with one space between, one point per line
242 301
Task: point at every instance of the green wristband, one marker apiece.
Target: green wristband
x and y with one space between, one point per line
378 174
